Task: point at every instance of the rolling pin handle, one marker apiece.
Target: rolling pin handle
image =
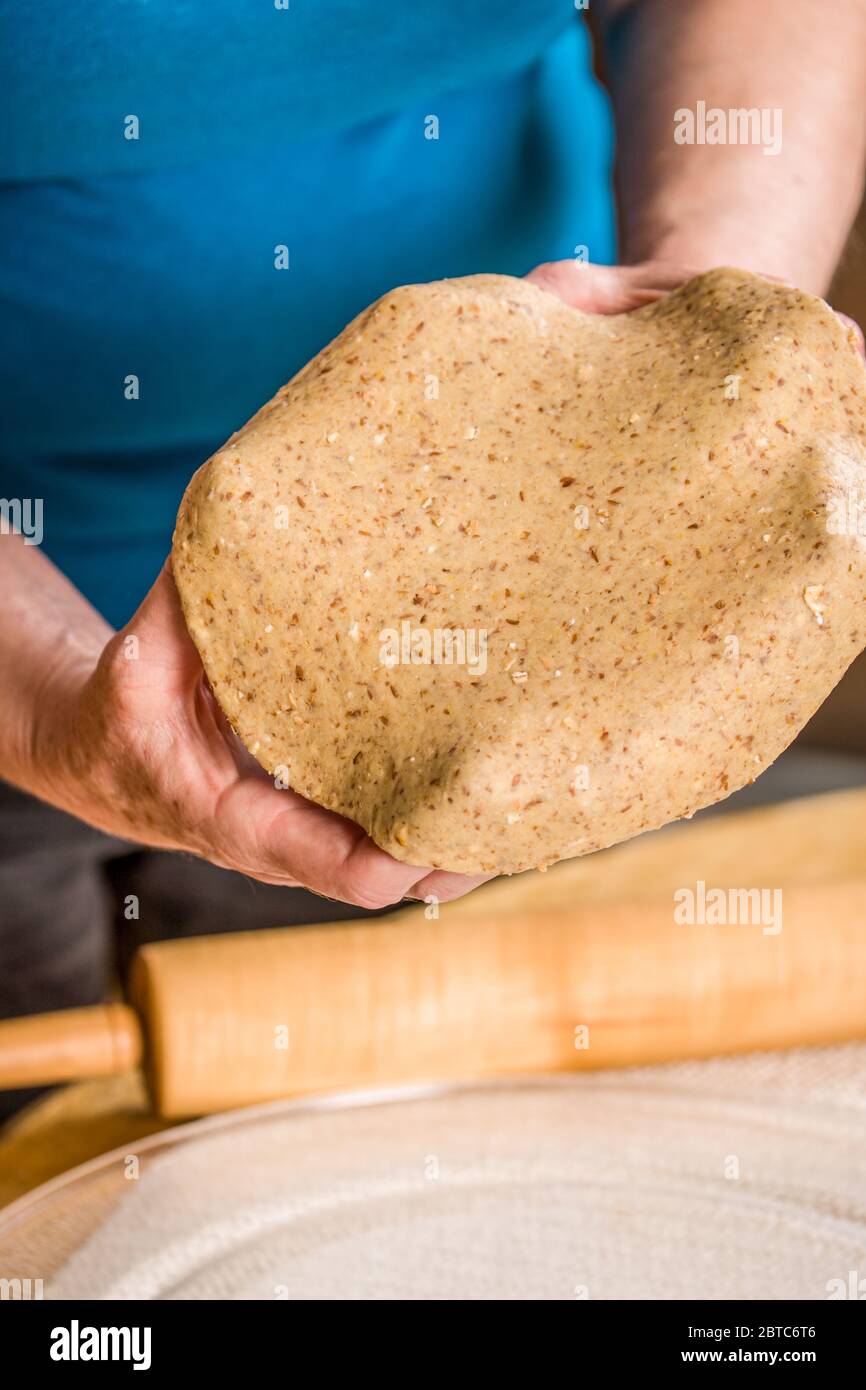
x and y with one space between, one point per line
69 1045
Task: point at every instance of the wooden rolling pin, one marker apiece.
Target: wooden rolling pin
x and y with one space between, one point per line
222 1021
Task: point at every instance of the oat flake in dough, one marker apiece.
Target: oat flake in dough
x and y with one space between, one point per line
642 513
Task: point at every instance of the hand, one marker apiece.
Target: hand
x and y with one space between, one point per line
609 289
142 751
616 289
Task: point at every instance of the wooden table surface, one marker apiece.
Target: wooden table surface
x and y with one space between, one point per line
71 1126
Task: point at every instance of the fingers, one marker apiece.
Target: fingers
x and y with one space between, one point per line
280 837
346 864
604 289
371 878
155 641
595 289
445 887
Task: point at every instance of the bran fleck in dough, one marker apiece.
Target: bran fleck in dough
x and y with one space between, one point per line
637 524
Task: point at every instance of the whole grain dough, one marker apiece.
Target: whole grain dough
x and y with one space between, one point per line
505 583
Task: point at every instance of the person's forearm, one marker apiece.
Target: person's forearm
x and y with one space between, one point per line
50 641
703 204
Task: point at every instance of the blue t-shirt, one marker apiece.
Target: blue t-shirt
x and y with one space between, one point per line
146 307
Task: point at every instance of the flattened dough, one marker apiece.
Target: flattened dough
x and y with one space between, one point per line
649 516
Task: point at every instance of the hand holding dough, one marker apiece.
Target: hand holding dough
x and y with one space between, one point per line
505 583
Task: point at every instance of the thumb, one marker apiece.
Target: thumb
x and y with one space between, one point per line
156 642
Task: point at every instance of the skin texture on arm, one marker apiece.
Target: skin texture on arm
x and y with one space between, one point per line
122 731
785 214
684 208
50 641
